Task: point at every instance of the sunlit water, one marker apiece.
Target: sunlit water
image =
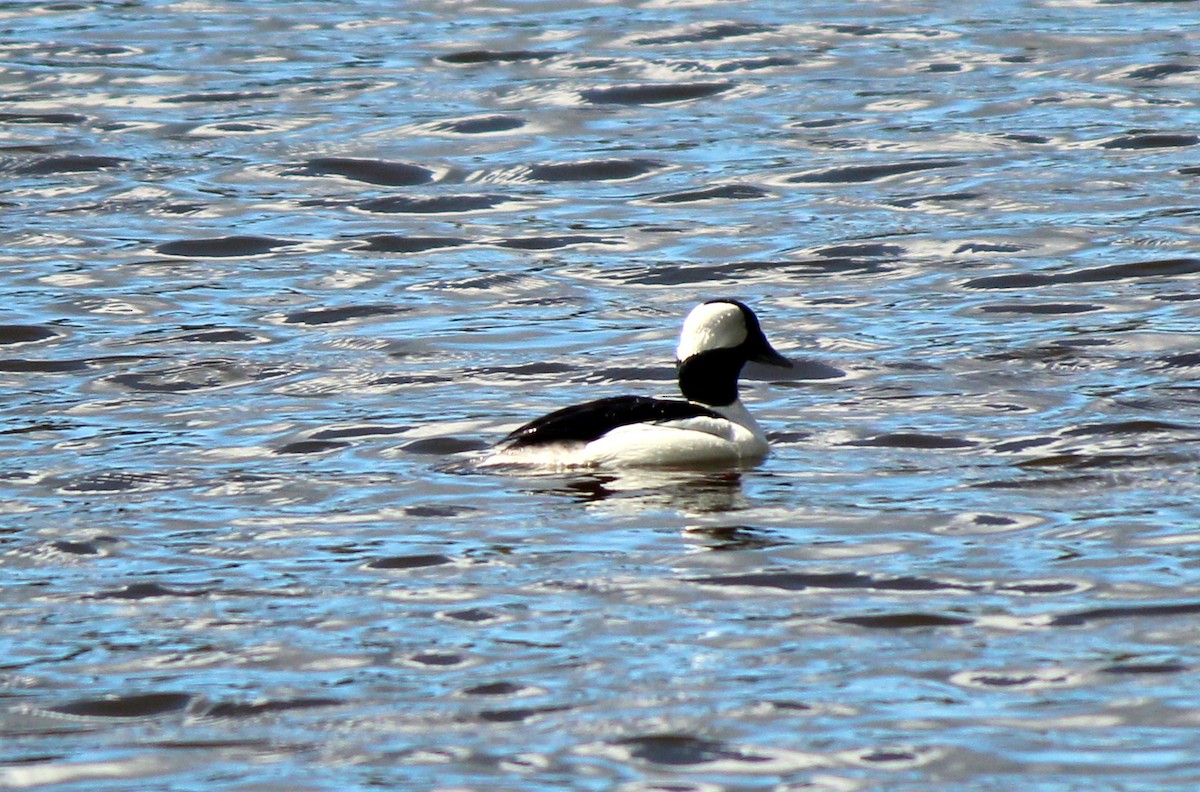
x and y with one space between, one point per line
272 272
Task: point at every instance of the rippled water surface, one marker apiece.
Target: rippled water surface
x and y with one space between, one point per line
274 271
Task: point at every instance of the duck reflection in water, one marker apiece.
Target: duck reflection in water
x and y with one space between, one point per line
701 492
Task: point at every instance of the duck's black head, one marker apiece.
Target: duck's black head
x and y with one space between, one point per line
718 338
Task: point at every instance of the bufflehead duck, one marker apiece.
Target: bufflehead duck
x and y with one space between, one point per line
710 428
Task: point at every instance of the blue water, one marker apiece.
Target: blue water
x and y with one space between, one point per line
273 273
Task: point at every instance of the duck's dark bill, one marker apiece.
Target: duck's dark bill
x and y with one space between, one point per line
772 358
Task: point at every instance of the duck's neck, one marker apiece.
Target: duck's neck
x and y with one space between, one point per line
711 378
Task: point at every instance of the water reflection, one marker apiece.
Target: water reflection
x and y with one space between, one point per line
732 538
633 490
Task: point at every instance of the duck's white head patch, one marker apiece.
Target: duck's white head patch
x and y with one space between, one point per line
713 325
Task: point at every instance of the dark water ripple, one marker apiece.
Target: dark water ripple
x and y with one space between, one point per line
1112 272
394 174
24 334
732 192
438 205
593 170
870 173
492 56
142 706
68 163
482 125
398 243
238 245
274 275
652 93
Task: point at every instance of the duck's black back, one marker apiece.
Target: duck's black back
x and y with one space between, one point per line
582 423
